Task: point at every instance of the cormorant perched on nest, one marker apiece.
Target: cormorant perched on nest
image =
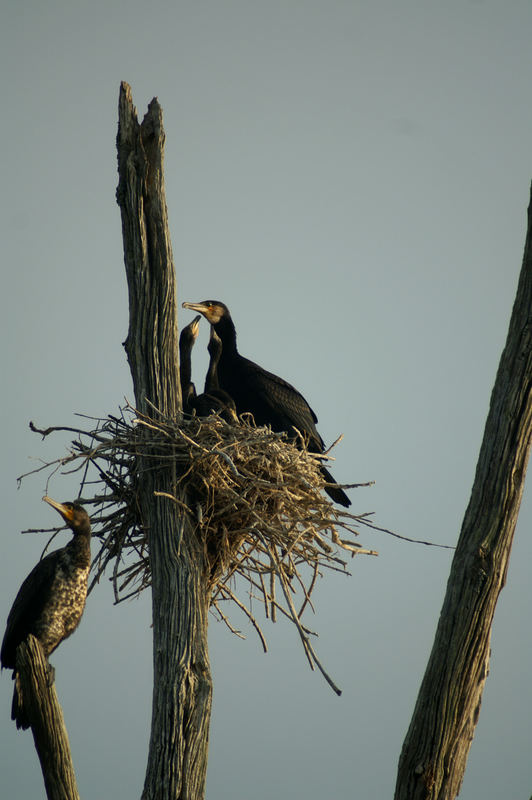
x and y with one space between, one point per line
213 398
50 602
215 351
187 338
270 399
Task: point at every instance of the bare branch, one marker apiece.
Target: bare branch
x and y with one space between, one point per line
44 714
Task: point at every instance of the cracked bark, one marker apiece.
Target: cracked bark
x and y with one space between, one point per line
46 719
177 758
436 747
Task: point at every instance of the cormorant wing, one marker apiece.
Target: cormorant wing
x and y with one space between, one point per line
32 597
279 403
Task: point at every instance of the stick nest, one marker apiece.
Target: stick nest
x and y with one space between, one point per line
255 499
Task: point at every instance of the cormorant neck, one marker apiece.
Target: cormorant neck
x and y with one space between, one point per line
80 546
185 369
215 351
211 378
225 329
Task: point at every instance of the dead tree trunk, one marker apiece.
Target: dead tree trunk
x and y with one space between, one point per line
436 747
182 691
46 719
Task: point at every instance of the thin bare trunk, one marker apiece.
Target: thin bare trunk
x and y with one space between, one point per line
182 691
436 747
46 719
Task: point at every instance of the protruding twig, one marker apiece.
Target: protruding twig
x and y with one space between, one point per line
258 508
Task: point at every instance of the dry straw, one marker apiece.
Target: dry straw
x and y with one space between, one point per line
255 499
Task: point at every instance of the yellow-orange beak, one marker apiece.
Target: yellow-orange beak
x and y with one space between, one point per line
66 512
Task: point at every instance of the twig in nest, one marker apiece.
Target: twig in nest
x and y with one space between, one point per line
255 497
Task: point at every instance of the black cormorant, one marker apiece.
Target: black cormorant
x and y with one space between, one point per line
187 338
215 351
270 399
213 398
50 602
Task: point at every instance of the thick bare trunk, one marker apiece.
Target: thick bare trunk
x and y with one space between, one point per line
435 751
182 691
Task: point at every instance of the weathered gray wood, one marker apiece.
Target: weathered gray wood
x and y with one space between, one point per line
46 719
182 691
152 341
436 747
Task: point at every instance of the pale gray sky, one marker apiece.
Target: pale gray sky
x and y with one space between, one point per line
351 178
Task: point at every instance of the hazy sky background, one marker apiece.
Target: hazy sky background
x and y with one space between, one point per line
352 179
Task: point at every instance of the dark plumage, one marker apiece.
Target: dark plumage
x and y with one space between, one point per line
187 338
215 402
215 351
213 398
50 602
270 399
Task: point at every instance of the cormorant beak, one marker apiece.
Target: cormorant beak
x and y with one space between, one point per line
201 307
66 512
211 311
194 326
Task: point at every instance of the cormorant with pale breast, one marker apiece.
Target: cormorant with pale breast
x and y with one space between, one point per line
50 602
270 399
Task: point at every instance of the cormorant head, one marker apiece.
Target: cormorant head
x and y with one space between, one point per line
74 515
212 310
189 334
